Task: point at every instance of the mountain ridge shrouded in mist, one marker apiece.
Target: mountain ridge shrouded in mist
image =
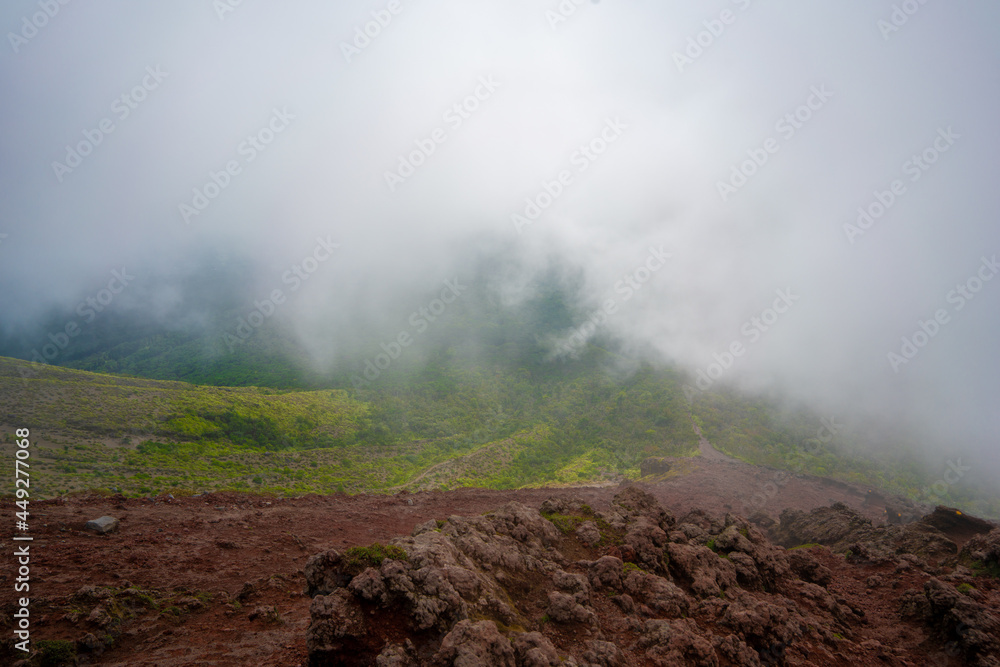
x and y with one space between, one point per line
487 328
797 201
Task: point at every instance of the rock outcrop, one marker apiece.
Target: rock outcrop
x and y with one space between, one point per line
513 588
844 529
968 628
656 465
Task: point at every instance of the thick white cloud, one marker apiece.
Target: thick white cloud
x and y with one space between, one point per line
892 94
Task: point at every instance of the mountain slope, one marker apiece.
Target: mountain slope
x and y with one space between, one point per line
141 436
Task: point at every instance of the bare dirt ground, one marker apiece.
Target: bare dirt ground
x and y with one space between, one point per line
210 561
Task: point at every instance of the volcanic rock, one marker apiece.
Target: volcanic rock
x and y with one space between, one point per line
102 525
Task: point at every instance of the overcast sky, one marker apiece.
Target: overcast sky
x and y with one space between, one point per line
738 137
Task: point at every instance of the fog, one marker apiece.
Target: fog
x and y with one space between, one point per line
785 190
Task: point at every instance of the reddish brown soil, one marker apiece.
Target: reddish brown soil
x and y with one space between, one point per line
217 543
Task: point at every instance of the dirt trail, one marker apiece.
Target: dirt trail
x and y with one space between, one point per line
421 476
706 449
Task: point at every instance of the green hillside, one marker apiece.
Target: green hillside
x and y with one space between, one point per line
143 436
447 421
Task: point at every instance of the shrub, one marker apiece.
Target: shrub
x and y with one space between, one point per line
985 568
566 523
358 558
56 652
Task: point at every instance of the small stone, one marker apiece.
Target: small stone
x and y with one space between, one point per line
99 617
246 591
103 525
263 611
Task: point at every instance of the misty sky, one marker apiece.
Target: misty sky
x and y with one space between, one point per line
738 137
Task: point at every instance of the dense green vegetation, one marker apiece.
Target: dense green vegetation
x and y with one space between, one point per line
494 427
501 429
95 405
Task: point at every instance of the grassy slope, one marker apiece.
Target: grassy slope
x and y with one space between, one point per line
500 429
86 404
444 422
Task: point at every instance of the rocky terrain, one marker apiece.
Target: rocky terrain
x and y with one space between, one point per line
637 585
709 562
